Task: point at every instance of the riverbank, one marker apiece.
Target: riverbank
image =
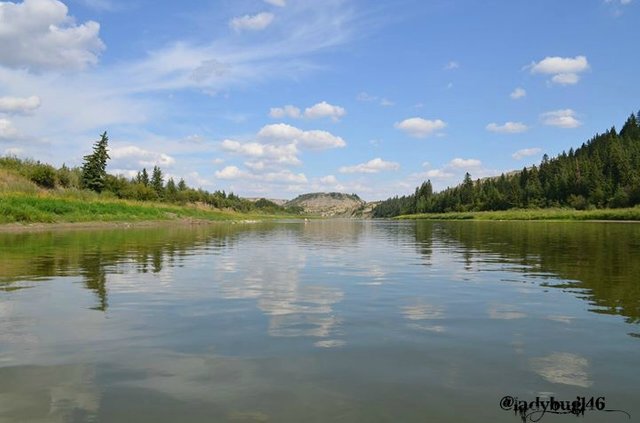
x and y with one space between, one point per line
626 214
38 211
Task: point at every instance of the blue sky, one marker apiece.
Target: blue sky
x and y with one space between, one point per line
280 97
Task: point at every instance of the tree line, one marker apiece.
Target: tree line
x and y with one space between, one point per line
145 186
603 173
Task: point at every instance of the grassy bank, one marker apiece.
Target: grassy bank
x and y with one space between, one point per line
22 200
534 214
52 208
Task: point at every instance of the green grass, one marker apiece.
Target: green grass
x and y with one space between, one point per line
534 214
52 208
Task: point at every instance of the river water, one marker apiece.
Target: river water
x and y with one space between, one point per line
325 321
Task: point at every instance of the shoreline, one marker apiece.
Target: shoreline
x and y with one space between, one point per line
121 224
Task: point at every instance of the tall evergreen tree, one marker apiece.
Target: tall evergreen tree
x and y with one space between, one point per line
94 166
143 177
157 181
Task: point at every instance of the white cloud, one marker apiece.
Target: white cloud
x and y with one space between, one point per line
386 103
438 174
419 127
372 166
40 34
565 70
565 78
465 163
19 104
561 118
329 180
286 111
525 152
7 130
283 176
279 3
314 139
252 22
451 65
317 111
507 127
131 156
518 93
272 154
324 109
230 172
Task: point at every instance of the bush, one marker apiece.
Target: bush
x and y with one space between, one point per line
43 175
578 202
620 199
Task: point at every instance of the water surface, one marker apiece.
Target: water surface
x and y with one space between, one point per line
338 320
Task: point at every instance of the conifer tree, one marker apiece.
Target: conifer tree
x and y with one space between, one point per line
157 181
94 165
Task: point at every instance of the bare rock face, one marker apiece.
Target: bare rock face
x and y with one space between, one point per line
332 204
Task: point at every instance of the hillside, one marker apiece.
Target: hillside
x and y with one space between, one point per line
604 172
333 204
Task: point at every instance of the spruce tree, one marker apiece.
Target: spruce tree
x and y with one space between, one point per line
95 164
157 181
144 177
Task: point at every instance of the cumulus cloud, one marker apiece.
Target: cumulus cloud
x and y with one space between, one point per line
271 154
19 104
279 3
329 180
7 130
419 127
372 166
525 152
324 109
314 139
561 118
507 127
283 176
317 111
40 34
565 70
230 172
131 156
518 93
286 111
252 22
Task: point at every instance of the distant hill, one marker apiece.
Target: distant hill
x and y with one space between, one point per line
331 204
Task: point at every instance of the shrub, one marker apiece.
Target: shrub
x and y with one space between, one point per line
43 175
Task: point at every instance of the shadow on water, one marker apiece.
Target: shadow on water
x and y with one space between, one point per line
598 262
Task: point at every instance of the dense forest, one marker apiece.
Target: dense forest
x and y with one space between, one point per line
603 173
145 186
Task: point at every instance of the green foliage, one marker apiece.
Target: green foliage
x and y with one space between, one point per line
157 181
603 172
94 167
43 175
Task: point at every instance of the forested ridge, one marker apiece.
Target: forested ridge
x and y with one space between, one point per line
602 173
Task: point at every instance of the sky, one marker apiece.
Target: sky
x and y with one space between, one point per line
274 98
